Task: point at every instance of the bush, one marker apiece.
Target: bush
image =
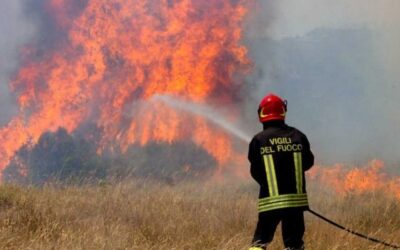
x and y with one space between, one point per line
63 157
57 156
164 162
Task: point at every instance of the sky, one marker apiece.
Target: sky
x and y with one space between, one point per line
337 63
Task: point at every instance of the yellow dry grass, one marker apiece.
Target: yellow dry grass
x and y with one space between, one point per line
141 214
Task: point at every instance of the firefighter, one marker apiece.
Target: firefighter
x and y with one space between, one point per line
279 155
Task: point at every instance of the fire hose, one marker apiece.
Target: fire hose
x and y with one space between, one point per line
351 231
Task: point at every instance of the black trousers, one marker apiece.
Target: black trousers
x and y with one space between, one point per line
292 227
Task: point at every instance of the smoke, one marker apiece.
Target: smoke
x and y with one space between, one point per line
24 22
16 31
337 64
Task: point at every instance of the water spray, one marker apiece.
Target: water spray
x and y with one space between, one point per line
205 111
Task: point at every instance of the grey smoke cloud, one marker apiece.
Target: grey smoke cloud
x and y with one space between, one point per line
338 64
15 31
296 18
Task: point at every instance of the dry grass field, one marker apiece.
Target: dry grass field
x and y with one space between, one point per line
140 214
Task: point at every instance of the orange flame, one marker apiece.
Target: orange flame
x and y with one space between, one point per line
118 52
357 179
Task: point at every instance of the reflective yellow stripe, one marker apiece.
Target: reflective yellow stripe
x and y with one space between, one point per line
286 204
283 197
268 172
282 201
298 163
274 181
271 176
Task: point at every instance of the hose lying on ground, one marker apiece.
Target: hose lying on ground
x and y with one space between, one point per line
353 232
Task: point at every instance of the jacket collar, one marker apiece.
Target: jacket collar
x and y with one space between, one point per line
276 123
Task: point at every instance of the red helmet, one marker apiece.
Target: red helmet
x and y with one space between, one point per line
272 107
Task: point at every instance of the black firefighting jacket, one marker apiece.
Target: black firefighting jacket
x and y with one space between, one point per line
279 156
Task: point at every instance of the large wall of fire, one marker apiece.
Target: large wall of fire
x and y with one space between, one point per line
107 59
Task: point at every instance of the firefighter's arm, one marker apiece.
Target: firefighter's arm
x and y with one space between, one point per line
308 157
255 161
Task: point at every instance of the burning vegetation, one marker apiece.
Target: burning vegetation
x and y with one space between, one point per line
347 179
102 64
86 92
62 157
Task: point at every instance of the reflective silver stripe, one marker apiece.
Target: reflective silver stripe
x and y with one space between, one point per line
271 176
298 163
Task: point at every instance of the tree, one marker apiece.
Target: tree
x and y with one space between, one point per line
58 156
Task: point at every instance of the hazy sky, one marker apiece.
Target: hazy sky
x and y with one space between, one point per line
352 115
298 17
